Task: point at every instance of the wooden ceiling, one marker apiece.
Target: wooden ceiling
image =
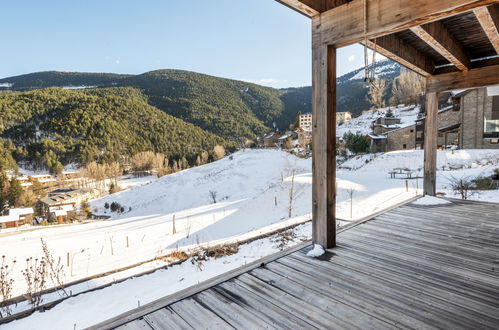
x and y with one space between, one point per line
431 37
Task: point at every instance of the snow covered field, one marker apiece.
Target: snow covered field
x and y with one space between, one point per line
251 190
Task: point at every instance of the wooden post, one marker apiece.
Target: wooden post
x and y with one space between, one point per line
323 139
430 144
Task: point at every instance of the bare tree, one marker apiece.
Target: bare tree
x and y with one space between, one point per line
376 93
213 195
463 186
407 88
218 152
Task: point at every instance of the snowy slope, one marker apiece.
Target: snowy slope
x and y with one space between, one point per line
247 186
362 124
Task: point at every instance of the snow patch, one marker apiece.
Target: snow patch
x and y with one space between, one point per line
78 87
8 85
430 200
317 251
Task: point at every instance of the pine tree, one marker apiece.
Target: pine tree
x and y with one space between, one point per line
4 187
14 193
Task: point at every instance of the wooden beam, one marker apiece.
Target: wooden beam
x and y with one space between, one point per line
438 37
324 140
399 51
474 78
489 20
474 65
430 144
311 9
344 25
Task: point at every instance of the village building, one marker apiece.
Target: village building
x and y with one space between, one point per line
401 138
281 141
385 124
61 204
305 122
17 217
470 122
377 143
269 141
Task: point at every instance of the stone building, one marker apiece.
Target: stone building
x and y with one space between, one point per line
401 138
477 127
385 124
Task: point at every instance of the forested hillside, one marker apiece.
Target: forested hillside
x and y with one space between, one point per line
51 126
100 116
232 109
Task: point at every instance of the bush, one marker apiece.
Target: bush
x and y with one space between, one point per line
114 188
356 143
484 183
115 206
106 205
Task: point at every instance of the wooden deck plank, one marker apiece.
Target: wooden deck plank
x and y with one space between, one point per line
232 311
395 296
411 267
432 307
464 247
165 318
199 316
405 268
316 309
451 268
412 280
139 324
458 218
348 294
420 244
281 318
465 233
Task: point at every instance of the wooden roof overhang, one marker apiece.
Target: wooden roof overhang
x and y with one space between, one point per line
454 43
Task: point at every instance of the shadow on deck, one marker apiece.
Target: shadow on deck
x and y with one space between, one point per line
411 267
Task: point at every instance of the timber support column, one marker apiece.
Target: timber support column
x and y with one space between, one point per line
323 140
430 144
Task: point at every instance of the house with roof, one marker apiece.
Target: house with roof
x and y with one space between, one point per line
17 217
61 204
269 140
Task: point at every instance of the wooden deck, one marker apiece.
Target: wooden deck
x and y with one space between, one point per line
412 267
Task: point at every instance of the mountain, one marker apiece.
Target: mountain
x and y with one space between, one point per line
229 108
52 125
232 109
180 113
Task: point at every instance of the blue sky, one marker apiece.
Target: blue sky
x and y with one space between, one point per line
255 40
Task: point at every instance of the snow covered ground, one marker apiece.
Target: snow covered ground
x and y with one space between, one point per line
251 190
362 123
